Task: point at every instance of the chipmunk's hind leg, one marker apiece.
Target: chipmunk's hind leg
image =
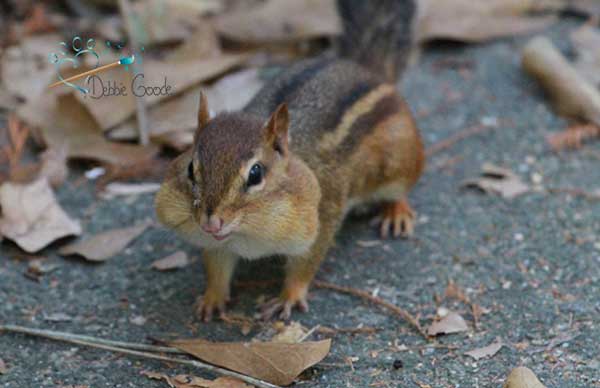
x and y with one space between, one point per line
398 218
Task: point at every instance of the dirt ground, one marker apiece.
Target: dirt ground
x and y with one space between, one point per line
533 262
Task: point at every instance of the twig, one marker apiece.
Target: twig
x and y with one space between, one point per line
309 333
96 343
575 192
58 335
376 300
347 330
140 103
450 141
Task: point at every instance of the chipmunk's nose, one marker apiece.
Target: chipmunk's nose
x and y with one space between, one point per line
213 224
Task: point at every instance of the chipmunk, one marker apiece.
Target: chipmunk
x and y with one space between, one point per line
278 177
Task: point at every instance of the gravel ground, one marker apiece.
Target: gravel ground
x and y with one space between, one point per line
532 262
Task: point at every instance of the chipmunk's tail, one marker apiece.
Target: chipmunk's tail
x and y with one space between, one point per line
377 34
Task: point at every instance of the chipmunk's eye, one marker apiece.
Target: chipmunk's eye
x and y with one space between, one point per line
190 172
255 176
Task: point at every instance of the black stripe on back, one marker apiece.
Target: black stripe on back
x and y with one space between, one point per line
356 93
365 124
297 80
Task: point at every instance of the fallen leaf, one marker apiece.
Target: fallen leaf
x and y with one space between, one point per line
202 43
451 323
32 217
477 21
277 363
498 180
176 260
26 70
486 351
281 21
53 165
3 367
177 116
63 122
39 21
290 334
188 381
104 245
522 377
115 189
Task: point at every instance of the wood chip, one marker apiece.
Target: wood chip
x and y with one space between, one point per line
451 323
486 351
176 260
498 180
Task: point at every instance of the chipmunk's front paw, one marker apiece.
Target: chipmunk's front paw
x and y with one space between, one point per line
397 217
210 303
292 296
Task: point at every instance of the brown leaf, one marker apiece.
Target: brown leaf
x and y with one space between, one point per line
486 351
104 245
498 180
26 70
54 165
176 260
64 123
202 43
3 367
188 381
477 21
451 323
39 21
281 21
173 122
32 217
277 363
522 377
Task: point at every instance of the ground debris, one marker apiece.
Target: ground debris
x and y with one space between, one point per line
175 260
486 351
498 180
451 323
522 377
188 381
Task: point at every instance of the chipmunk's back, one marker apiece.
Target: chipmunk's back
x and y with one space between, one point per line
320 93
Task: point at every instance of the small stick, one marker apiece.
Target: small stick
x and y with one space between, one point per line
450 141
576 192
59 335
96 344
140 103
378 301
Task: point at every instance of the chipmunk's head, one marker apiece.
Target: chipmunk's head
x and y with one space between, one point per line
236 182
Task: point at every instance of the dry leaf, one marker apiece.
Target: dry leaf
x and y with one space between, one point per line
277 363
202 43
32 217
451 323
177 116
104 245
176 260
486 351
63 122
477 21
26 70
281 21
115 189
522 377
290 334
3 367
188 381
54 165
498 180
572 95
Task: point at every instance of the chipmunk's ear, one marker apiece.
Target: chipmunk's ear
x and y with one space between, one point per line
277 129
203 114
